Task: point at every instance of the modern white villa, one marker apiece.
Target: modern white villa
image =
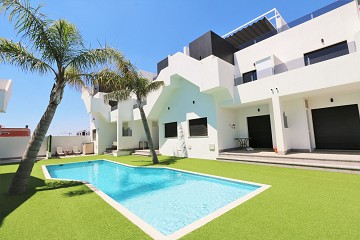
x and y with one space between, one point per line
5 94
269 84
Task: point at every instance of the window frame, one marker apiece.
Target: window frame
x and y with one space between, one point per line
191 132
165 130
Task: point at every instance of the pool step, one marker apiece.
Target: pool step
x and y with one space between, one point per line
145 152
338 163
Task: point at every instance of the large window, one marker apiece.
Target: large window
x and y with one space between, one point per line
249 76
327 53
198 127
171 129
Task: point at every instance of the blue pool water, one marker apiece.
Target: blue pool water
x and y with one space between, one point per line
168 200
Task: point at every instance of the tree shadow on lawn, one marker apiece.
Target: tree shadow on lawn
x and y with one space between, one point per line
165 162
9 203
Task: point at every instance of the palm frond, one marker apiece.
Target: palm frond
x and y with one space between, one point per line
88 59
16 54
31 24
154 86
66 40
119 95
78 80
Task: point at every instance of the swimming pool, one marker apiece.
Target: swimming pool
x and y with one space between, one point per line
163 202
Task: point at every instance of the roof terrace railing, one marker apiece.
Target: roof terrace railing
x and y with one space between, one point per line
301 20
270 15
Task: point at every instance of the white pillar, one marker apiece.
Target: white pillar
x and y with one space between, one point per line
279 125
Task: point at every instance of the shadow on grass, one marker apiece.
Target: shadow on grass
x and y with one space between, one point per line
9 203
59 184
79 192
167 161
67 184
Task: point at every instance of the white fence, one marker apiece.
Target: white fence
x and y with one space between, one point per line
14 147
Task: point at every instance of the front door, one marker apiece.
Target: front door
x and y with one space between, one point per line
259 128
337 127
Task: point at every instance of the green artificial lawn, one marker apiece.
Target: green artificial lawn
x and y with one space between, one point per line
301 204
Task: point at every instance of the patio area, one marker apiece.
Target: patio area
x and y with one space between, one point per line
338 161
301 204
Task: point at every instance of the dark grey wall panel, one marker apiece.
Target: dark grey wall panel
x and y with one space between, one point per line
337 127
212 44
162 64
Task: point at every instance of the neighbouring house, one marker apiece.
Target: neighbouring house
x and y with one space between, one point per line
5 94
14 132
289 86
83 133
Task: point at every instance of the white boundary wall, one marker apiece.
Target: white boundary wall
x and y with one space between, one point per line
14 147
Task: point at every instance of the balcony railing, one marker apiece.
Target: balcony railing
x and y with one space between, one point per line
293 64
297 22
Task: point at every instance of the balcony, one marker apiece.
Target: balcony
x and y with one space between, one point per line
277 67
340 72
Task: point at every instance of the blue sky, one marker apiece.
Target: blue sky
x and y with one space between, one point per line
145 31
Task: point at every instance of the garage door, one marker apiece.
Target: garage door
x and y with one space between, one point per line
337 127
260 131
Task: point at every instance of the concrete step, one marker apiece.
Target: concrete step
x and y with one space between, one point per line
145 152
336 164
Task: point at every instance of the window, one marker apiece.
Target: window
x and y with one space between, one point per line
198 127
94 134
327 53
249 76
126 130
171 129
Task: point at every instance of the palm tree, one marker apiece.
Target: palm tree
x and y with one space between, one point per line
126 82
51 47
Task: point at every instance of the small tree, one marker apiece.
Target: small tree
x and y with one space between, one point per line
49 47
126 82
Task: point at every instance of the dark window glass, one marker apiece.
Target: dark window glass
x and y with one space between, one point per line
249 76
94 134
327 53
198 127
171 129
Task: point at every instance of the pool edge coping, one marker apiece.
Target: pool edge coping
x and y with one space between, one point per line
147 228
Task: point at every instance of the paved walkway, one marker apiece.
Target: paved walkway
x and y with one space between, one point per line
324 155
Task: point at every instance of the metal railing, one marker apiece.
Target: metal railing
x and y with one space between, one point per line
301 20
293 64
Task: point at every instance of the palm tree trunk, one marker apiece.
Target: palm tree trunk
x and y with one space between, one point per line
22 176
148 134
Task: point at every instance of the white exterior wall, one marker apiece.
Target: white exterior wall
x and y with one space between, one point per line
210 83
297 133
138 133
336 26
106 134
226 133
181 110
14 147
5 94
